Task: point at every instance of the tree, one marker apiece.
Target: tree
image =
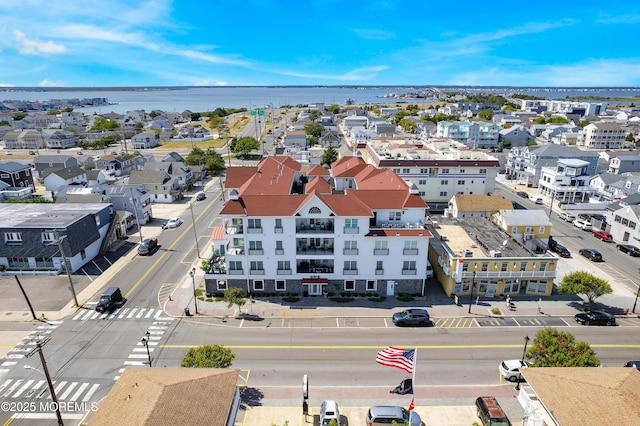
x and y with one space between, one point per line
553 348
235 296
208 356
101 123
329 156
408 125
333 108
486 114
629 137
582 282
243 146
313 129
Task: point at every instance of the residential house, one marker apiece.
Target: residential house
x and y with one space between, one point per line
60 139
17 175
295 140
529 227
281 233
476 205
601 186
134 199
567 182
179 172
524 164
55 178
629 185
37 235
171 396
45 162
352 121
517 135
144 140
623 220
11 139
624 163
477 134
602 136
162 187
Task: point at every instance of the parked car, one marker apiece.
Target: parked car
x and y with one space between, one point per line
536 199
412 317
591 254
600 217
329 411
584 216
629 249
634 364
32 153
384 415
490 412
568 217
595 318
147 246
174 223
510 369
201 196
522 194
560 250
582 224
603 235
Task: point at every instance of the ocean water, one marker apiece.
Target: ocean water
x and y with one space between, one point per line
203 99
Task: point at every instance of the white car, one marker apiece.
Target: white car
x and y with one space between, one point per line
174 223
510 369
585 225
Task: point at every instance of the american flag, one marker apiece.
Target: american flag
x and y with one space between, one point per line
411 406
397 357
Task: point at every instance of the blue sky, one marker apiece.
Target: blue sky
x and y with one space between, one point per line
70 43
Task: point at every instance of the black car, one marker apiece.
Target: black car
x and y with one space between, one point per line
412 317
562 251
600 217
629 249
595 318
634 364
522 194
201 196
591 254
147 246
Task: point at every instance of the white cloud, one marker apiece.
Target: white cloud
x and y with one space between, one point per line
359 74
210 83
6 85
31 47
50 83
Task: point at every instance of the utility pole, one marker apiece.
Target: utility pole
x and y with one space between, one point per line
135 210
24 293
66 266
195 234
38 348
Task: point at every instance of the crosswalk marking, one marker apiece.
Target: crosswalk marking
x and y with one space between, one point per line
79 391
69 389
58 387
23 388
120 313
89 394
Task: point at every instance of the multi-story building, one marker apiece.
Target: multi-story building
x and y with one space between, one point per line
567 182
490 257
602 136
439 169
566 107
477 134
285 230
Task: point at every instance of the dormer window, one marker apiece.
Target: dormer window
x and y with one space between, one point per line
314 210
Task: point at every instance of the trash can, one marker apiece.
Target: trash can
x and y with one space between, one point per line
187 313
305 407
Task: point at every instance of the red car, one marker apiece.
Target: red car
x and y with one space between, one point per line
603 235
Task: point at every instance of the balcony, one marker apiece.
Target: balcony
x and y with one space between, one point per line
500 275
318 250
256 251
284 272
379 271
399 225
256 271
254 230
350 230
409 251
350 252
318 227
350 272
311 266
236 272
381 252
279 251
409 272
278 230
235 251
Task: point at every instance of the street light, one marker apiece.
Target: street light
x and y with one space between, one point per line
192 272
38 348
195 234
526 341
473 284
636 301
145 342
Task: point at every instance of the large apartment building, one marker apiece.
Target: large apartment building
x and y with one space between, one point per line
287 229
438 169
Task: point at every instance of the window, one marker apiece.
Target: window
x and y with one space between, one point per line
13 237
523 266
483 171
255 245
424 171
48 237
444 182
537 287
406 171
422 181
381 245
379 265
443 193
351 223
222 285
543 266
349 285
256 265
371 285
503 267
284 265
279 245
396 171
258 285
255 223
444 171
235 265
485 266
541 230
462 171
460 181
411 244
351 245
409 265
278 223
281 285
350 265
314 210
395 215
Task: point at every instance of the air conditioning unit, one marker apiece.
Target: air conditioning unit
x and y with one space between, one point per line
495 253
528 236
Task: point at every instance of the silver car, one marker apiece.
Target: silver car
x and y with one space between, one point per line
384 415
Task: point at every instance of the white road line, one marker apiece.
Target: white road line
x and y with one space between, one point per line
22 389
79 392
5 384
132 313
78 315
66 393
46 416
58 387
89 394
149 313
133 363
8 363
141 356
141 313
12 388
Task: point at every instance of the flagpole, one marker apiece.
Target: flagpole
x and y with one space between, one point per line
413 383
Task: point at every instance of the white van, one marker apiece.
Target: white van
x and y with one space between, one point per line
329 411
536 199
429 270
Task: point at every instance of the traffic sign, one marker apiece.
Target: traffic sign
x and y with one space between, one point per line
260 112
253 112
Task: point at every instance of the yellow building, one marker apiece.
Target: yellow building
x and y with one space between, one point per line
494 255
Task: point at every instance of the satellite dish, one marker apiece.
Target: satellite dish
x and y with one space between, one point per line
504 243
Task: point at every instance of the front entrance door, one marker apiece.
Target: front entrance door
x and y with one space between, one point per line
390 288
315 289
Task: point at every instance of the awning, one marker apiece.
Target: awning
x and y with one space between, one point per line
315 281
